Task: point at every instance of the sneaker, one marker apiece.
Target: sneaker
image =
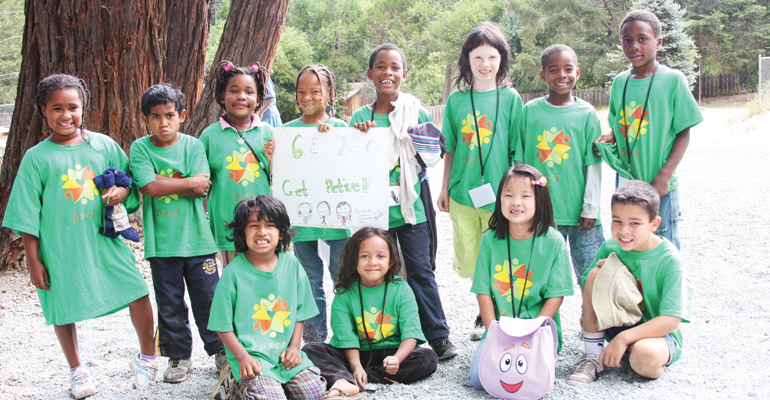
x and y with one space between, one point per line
478 329
80 384
224 387
587 371
220 359
443 347
177 371
144 372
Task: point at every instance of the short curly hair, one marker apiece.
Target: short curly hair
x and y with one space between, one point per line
645 16
267 208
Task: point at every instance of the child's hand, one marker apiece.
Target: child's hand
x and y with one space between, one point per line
114 195
290 358
269 149
323 128
201 184
660 183
443 201
613 352
606 138
249 367
359 374
38 274
586 224
365 126
600 263
391 365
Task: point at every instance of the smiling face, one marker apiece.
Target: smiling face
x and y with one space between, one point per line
485 62
64 113
240 97
262 237
373 261
387 73
639 43
164 121
517 201
560 72
312 96
632 228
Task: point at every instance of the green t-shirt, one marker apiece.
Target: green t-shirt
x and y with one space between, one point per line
558 142
550 274
91 275
660 273
304 233
670 110
496 143
386 328
235 174
174 226
262 309
395 217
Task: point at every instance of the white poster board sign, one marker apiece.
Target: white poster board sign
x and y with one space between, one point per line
337 179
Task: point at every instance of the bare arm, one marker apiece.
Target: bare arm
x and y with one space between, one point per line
291 357
38 274
655 328
356 369
443 197
487 309
550 307
661 181
194 186
249 366
269 102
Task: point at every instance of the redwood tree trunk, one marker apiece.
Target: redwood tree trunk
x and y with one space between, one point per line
118 48
251 34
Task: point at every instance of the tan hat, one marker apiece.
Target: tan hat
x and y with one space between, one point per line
616 295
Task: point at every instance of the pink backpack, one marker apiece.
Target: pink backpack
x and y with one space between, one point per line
519 358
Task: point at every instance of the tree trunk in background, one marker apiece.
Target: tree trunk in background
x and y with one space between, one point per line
119 49
251 34
185 62
448 80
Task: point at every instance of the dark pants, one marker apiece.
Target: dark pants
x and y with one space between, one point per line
414 241
420 364
169 275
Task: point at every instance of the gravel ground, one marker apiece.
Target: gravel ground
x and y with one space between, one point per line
724 229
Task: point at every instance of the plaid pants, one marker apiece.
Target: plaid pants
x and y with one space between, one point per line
308 384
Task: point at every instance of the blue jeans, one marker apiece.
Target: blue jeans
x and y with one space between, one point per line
670 214
307 253
583 247
415 248
474 379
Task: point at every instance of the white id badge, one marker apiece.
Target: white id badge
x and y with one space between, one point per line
394 196
324 251
482 195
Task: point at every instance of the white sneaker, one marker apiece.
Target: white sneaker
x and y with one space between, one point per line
144 372
81 384
478 329
588 370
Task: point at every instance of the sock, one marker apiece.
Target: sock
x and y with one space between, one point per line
73 370
151 359
594 343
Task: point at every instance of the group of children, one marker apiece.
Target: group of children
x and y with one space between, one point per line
267 302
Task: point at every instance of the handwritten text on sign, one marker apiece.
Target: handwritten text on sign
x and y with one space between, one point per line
337 179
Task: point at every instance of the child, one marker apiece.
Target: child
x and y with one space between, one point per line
259 307
522 223
359 353
171 169
651 125
234 147
315 92
657 266
556 134
56 208
483 106
407 217
269 113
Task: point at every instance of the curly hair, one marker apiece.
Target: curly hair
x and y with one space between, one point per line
162 93
644 16
489 34
383 47
543 217
349 258
53 83
256 71
553 49
267 208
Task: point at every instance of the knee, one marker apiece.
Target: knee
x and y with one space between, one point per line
647 359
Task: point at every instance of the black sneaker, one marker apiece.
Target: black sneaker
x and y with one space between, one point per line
478 329
444 348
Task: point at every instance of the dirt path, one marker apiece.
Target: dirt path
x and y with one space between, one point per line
725 239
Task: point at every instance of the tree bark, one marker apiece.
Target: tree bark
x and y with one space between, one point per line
119 49
251 34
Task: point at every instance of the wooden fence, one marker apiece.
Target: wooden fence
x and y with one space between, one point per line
718 85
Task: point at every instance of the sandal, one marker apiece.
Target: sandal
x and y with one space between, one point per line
343 395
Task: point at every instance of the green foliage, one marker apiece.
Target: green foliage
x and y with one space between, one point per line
219 10
11 31
293 54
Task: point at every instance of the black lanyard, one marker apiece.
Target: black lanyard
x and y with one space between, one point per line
242 140
526 274
630 148
478 134
363 318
